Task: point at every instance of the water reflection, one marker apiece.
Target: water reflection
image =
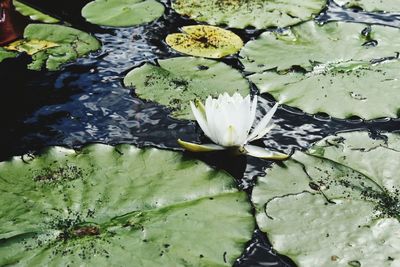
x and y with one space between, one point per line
337 13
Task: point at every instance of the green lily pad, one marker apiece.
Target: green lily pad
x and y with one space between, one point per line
361 89
371 5
32 13
244 13
310 44
122 13
338 204
177 81
109 206
6 54
68 44
205 41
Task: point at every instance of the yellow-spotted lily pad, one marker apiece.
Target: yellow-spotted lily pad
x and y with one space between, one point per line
205 41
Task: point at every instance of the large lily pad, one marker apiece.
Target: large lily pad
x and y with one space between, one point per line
205 41
309 44
122 13
243 13
67 44
338 204
371 5
177 81
32 13
109 206
344 90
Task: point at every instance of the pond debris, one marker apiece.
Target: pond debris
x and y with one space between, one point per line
59 174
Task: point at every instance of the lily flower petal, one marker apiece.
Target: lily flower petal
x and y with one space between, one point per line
252 115
262 153
199 113
210 107
264 132
192 147
262 127
243 118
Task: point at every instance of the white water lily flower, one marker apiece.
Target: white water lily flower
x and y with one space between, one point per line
228 122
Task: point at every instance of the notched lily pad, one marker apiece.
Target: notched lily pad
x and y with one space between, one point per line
53 45
205 41
177 81
310 44
344 90
122 13
109 206
33 13
338 204
371 5
243 13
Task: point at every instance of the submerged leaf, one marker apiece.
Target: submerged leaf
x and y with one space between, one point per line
309 44
371 5
205 41
336 204
122 13
177 81
30 46
109 206
243 13
361 89
32 13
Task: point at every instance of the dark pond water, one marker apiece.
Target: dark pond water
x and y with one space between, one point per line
85 102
